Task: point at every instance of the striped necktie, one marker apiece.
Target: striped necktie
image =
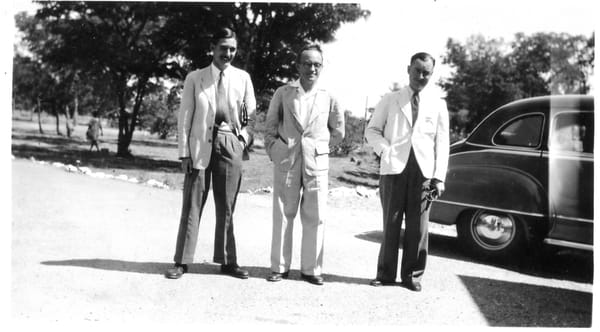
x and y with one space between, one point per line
414 105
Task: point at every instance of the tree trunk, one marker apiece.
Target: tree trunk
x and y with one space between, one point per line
124 139
56 115
39 110
68 125
76 111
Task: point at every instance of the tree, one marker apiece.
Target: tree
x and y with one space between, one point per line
483 77
136 43
159 112
490 73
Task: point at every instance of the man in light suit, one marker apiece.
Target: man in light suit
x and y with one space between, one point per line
211 140
303 120
409 131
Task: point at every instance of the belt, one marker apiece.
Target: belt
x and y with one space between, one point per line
224 127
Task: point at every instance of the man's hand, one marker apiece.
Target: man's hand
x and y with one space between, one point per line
435 190
438 186
186 165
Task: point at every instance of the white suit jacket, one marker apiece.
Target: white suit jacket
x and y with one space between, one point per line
197 111
391 134
288 143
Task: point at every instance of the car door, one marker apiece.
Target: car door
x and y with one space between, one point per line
571 177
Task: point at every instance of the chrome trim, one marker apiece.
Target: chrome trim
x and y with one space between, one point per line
492 149
575 219
493 209
569 244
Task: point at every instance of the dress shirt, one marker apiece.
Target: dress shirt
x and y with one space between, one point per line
305 101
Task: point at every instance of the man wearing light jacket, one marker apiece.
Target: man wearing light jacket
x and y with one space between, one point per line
409 131
212 139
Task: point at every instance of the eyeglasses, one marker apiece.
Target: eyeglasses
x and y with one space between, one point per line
309 65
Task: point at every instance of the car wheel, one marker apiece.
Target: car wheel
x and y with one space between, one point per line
491 234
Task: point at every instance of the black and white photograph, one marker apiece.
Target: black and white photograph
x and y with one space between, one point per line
299 165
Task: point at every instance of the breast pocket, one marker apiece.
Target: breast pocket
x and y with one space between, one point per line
428 127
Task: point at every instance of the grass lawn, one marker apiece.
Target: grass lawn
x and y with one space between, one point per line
157 159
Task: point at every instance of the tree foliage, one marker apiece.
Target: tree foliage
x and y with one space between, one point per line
490 73
137 44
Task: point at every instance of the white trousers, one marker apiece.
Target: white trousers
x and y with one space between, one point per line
293 189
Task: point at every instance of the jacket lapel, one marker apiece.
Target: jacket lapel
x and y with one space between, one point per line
314 108
293 106
403 101
208 87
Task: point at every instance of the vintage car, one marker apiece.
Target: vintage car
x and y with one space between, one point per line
523 177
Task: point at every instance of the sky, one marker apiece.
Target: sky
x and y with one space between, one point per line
369 55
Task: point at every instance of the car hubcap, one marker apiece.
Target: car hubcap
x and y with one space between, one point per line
493 231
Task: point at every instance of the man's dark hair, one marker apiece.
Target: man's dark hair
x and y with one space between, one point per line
222 33
423 56
308 47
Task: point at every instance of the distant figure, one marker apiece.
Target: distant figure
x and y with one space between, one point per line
302 121
94 131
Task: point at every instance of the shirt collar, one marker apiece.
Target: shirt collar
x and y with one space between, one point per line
296 84
216 71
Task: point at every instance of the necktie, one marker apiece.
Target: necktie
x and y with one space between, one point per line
414 105
222 114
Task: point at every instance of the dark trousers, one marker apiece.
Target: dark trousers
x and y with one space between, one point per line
225 168
404 195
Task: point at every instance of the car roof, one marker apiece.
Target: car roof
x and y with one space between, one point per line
582 102
543 104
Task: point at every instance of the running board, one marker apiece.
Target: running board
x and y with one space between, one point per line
569 244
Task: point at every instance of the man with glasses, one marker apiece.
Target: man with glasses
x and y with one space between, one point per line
409 131
303 120
211 139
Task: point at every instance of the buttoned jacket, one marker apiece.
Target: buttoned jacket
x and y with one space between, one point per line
288 143
196 117
391 134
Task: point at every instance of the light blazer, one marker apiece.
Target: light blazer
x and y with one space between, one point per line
287 143
391 134
197 111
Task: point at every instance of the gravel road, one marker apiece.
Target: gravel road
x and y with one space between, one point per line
94 250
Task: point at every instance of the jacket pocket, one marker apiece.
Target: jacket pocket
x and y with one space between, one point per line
322 156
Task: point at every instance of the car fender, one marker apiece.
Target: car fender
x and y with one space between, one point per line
495 188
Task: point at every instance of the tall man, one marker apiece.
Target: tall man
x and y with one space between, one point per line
211 139
409 131
302 121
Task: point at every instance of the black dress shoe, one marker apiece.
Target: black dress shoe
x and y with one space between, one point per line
234 271
377 283
276 276
176 271
315 280
414 286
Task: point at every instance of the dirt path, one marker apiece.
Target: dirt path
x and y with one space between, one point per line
87 249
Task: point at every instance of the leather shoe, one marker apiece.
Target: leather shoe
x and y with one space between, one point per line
234 271
414 286
176 271
377 283
315 280
277 276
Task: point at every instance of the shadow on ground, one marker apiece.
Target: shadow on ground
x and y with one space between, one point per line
204 268
564 264
68 150
513 304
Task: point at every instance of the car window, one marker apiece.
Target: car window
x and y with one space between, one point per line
573 131
523 132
